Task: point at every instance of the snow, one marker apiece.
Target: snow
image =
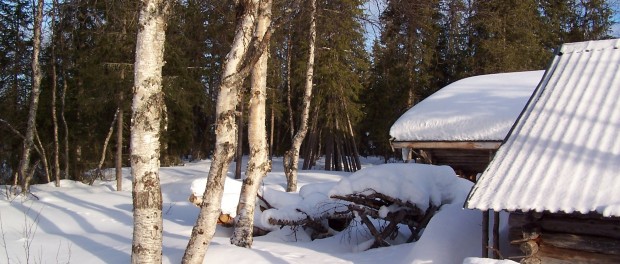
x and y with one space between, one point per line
486 261
480 108
79 223
419 184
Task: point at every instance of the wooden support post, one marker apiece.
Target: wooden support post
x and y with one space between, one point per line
496 235
485 234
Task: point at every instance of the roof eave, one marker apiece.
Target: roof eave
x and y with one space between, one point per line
482 145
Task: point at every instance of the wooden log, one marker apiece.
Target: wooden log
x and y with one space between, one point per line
518 219
379 242
597 227
531 260
554 255
416 231
582 242
588 224
529 248
373 199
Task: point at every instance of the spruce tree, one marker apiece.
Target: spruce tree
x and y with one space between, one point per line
506 37
340 73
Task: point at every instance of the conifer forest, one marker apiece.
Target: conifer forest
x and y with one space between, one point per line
67 73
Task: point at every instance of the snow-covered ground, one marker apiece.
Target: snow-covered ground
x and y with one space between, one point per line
77 223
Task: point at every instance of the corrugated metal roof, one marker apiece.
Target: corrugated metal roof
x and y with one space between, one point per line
563 153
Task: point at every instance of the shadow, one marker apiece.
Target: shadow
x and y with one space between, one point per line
89 243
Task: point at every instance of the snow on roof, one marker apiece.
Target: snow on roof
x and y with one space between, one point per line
564 152
479 108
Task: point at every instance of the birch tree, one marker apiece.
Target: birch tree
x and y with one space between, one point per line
259 163
225 133
147 111
24 173
291 157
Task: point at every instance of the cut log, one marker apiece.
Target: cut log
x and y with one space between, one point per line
226 220
530 248
194 199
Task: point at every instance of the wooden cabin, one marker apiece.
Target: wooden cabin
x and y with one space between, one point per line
558 171
464 123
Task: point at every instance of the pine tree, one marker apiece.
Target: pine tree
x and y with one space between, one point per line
15 78
410 62
340 72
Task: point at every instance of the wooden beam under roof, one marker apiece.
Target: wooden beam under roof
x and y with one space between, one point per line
490 145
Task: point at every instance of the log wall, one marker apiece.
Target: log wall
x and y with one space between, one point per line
566 238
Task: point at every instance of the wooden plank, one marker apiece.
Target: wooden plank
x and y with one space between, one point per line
582 243
485 234
574 224
554 255
598 227
496 235
447 144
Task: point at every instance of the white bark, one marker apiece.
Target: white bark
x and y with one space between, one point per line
24 164
147 108
225 135
291 157
259 163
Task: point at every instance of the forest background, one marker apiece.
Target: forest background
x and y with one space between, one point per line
359 89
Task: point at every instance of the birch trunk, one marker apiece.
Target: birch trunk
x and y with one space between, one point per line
291 157
225 135
23 171
147 112
259 163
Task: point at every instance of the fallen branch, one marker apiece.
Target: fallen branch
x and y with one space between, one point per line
314 224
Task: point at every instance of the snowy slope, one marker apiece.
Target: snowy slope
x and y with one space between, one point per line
77 223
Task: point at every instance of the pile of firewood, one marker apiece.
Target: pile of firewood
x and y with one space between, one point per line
363 207
335 214
371 204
